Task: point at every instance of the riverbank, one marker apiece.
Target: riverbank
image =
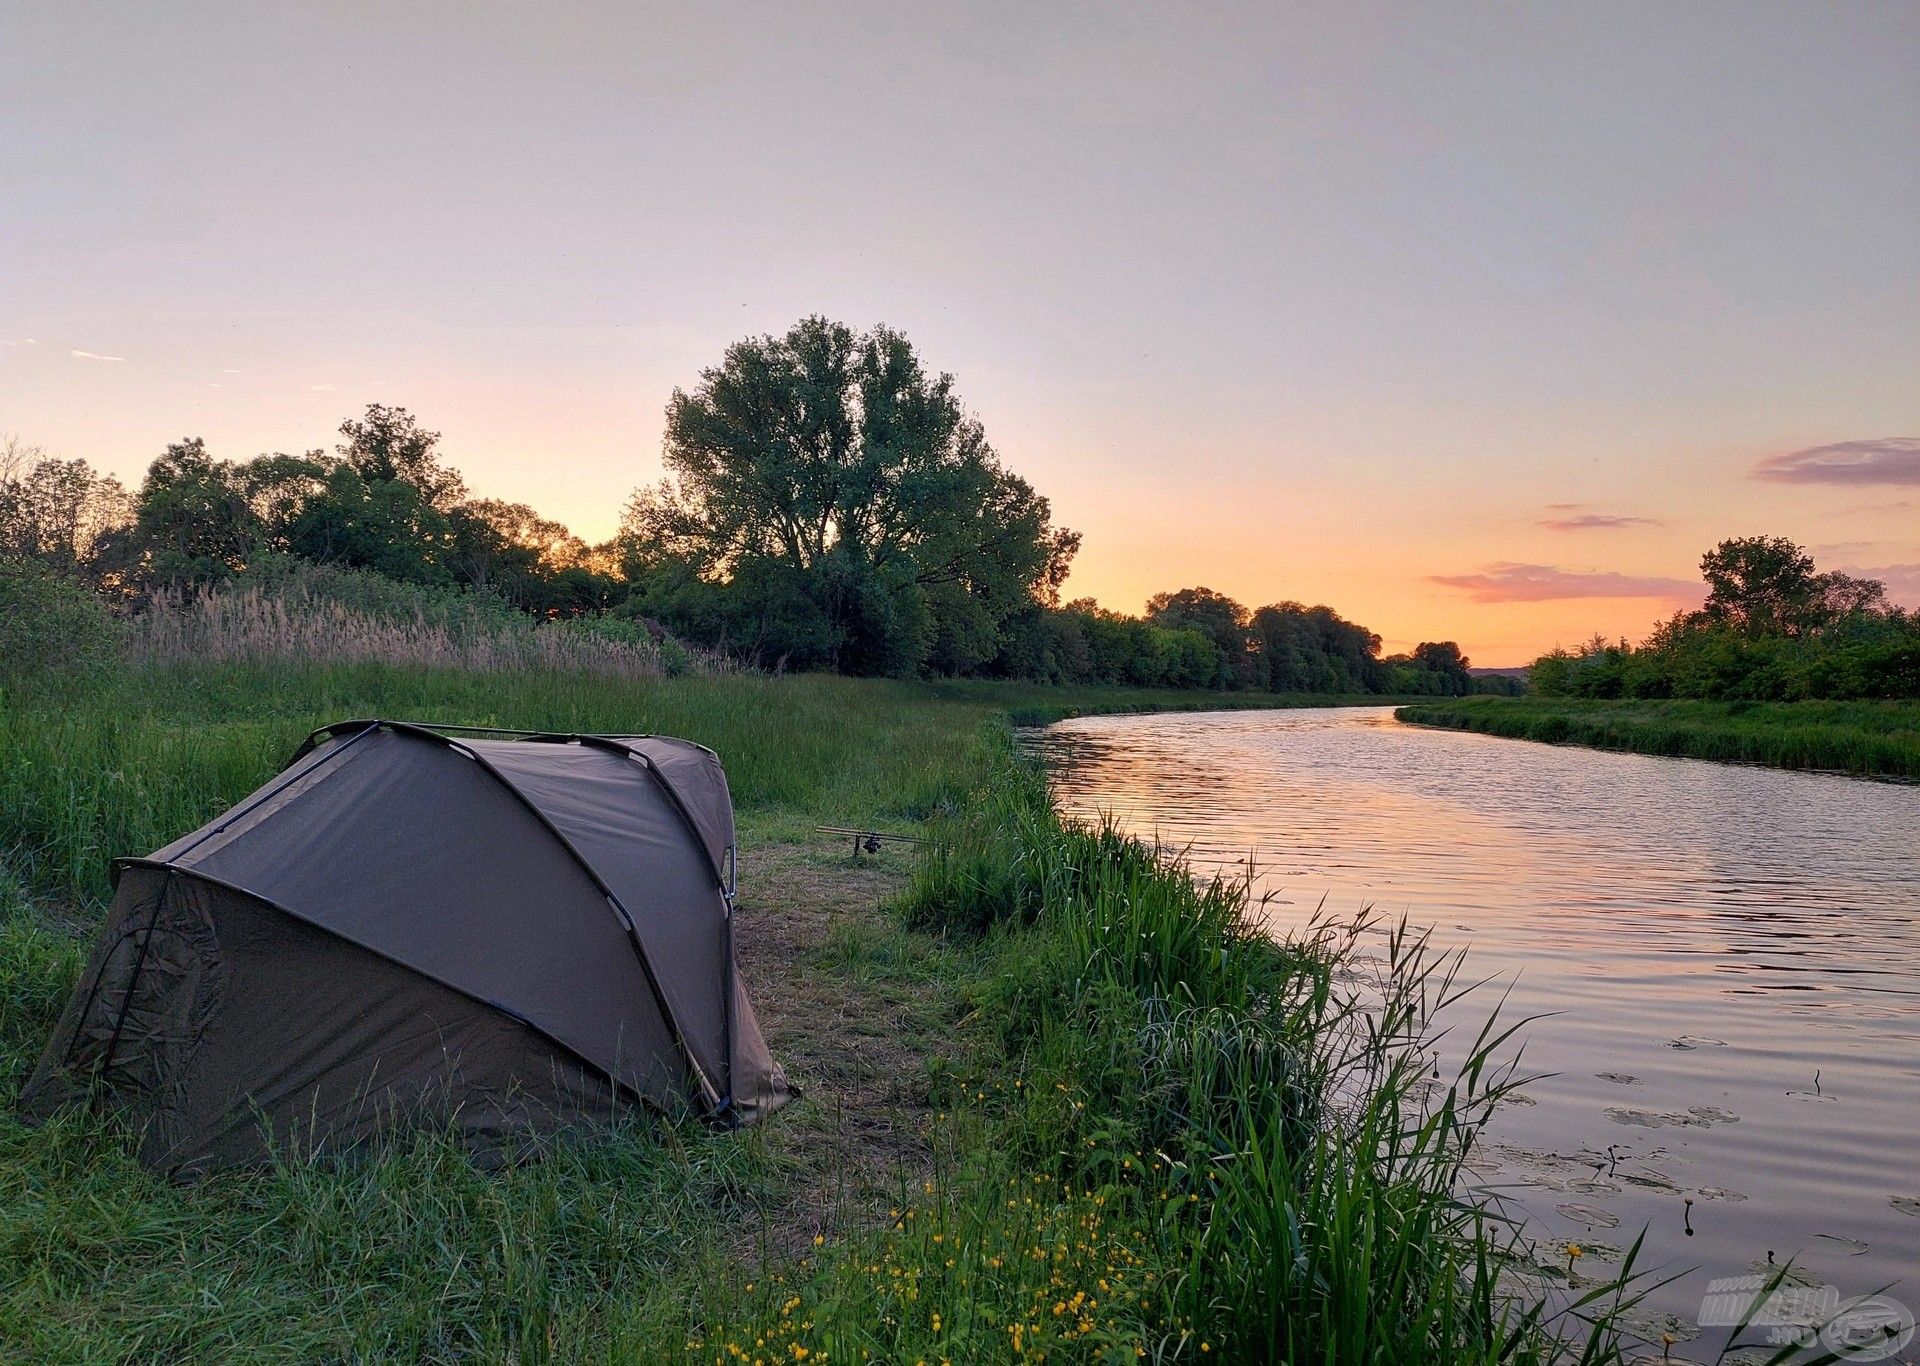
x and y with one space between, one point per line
1872 739
1055 1097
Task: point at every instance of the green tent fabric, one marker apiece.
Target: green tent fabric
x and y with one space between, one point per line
506 932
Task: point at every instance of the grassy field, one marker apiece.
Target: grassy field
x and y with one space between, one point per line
1877 739
1059 1105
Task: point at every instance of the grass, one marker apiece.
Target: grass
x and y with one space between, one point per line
1874 739
1098 1119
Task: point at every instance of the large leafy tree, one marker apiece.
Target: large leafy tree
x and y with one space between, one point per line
1217 617
1315 649
196 522
385 504
533 562
61 513
832 467
1758 584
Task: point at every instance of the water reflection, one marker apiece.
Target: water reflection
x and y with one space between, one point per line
1730 956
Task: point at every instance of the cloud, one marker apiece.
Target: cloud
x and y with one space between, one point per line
1902 580
23 341
94 355
1592 521
1506 582
323 388
1890 460
229 372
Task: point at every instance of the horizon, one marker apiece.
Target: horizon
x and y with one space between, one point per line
1479 326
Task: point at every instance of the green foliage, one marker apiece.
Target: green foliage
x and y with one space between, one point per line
1773 630
1247 1117
829 506
1875 738
841 501
1145 1085
195 522
53 630
59 513
1223 622
1757 583
1315 649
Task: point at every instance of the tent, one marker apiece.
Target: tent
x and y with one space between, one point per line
507 931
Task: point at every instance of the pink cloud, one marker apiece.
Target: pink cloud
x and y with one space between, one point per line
1593 521
1507 582
1889 460
1902 580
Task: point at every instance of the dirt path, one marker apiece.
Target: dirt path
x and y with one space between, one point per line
855 1008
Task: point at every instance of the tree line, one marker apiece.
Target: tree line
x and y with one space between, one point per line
827 503
1773 628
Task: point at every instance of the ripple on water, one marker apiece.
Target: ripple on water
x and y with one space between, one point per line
1713 937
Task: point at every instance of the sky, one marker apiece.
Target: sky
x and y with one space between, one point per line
1472 321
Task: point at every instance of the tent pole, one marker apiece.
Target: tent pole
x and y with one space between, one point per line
126 998
731 970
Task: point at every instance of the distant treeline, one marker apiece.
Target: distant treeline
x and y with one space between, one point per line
1773 628
828 505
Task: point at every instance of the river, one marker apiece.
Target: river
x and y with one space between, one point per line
1727 959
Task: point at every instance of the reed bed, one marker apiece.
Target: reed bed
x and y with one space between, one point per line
1870 739
255 625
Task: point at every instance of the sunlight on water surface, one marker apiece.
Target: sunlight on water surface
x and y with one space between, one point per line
1728 959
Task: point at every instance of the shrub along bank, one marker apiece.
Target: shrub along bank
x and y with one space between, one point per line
1158 1136
1874 739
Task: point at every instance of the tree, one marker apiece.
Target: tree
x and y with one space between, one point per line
386 504
1434 668
1315 649
1837 596
531 561
279 487
195 522
388 445
58 512
1217 617
1444 660
1758 584
840 459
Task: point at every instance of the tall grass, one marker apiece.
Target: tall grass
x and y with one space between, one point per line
1875 739
1172 1139
1260 1123
123 768
347 617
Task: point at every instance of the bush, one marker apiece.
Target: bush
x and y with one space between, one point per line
50 626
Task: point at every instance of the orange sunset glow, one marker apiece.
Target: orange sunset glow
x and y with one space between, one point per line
1476 327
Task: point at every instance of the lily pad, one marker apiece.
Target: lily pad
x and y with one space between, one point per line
1789 1275
1590 1215
1653 1327
1652 1180
1707 1114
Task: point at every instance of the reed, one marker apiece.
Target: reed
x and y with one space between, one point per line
254 625
1266 1116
